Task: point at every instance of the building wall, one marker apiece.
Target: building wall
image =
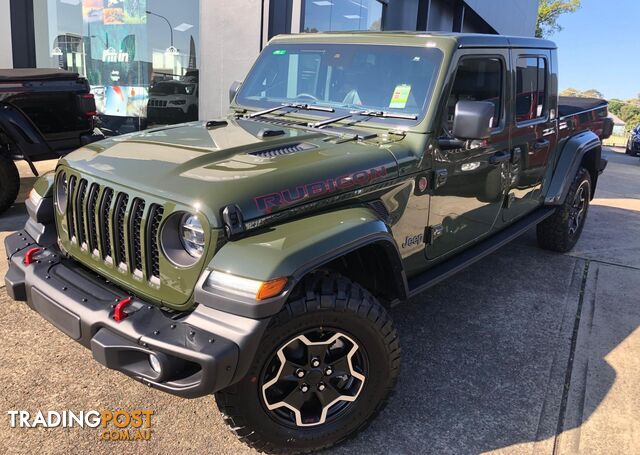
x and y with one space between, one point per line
230 41
512 17
6 49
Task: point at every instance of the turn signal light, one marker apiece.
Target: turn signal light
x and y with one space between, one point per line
271 288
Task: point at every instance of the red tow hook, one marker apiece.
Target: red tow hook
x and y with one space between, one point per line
31 252
118 313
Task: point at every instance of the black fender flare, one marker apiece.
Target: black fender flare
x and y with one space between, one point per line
568 163
294 249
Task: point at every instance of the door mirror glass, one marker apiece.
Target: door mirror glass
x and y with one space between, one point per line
233 90
473 119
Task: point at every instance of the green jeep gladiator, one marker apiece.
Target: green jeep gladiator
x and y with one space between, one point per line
255 256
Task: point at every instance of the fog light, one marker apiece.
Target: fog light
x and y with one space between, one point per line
155 363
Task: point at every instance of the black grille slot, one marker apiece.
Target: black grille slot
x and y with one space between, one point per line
71 219
152 250
80 213
283 150
103 220
94 189
119 228
135 223
119 214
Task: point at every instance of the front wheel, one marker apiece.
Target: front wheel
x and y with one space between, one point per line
322 372
561 231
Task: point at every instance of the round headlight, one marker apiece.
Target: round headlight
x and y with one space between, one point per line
61 192
192 235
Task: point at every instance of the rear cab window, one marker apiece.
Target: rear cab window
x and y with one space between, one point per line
532 90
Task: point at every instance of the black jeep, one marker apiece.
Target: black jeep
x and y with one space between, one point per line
44 114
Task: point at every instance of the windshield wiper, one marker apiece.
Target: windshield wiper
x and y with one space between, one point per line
385 114
302 106
368 113
328 121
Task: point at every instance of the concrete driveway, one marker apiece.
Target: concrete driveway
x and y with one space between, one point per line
525 352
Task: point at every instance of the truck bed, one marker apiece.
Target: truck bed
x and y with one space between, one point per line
57 102
580 114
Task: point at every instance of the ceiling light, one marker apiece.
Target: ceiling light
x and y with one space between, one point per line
323 3
352 16
183 27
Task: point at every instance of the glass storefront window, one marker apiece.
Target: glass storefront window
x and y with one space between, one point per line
139 56
336 15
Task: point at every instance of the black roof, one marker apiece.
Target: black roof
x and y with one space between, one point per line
31 74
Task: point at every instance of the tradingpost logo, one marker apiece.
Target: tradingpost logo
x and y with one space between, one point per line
118 425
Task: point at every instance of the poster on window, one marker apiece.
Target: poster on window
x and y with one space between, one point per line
115 12
125 101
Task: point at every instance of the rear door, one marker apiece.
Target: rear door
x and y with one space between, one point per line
470 184
533 130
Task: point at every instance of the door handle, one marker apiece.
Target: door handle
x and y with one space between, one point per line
543 144
499 157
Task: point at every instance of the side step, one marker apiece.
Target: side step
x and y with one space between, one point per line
457 263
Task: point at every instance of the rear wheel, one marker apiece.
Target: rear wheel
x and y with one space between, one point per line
561 231
322 372
9 182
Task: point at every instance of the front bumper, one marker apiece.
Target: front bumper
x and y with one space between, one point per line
200 352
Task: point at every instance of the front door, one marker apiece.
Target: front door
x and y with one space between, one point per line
469 181
533 131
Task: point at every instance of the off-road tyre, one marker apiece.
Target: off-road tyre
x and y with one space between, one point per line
9 182
331 301
559 232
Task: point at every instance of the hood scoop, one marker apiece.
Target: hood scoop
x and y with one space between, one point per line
287 149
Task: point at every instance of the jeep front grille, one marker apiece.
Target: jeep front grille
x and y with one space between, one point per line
109 224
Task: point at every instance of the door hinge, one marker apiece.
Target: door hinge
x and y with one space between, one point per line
432 233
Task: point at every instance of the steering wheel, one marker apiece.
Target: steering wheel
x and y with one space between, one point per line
306 95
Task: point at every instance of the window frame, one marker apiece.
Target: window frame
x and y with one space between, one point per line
500 127
545 117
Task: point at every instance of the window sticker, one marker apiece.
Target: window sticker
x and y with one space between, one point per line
280 52
400 96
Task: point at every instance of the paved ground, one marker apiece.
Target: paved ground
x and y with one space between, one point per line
525 352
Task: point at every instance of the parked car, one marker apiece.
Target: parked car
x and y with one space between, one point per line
254 256
633 144
174 101
44 114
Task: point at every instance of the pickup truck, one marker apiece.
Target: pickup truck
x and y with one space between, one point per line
255 256
44 114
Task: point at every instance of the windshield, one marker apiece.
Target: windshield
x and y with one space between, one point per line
396 79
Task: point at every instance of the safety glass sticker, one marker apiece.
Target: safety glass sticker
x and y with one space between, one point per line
400 96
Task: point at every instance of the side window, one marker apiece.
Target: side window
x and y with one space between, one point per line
477 79
531 88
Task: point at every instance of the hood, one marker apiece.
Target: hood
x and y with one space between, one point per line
235 162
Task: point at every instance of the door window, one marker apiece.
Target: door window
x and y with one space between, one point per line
477 79
531 88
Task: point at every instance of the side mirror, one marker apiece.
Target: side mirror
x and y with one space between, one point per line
473 119
233 90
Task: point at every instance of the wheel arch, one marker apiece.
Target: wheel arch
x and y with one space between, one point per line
334 240
584 149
